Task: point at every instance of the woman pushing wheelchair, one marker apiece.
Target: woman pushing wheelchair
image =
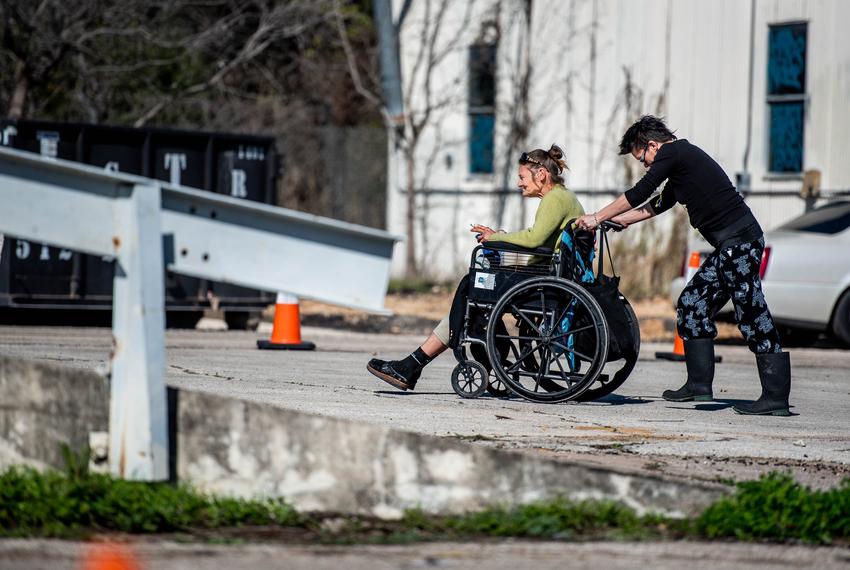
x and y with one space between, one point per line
539 176
731 271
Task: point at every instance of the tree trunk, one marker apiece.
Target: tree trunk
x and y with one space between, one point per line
410 257
19 96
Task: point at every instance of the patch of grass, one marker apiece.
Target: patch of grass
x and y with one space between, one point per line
76 502
559 519
775 507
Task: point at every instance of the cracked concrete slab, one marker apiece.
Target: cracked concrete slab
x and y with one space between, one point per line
633 429
231 446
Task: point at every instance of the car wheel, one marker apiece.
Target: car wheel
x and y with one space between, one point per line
841 319
182 319
798 337
241 320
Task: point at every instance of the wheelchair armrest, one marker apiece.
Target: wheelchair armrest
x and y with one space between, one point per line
503 246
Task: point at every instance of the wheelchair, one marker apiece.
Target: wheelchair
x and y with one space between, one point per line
533 323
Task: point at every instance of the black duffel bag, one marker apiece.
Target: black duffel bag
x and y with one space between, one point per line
577 262
621 340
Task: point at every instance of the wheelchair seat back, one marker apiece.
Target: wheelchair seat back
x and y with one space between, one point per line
577 252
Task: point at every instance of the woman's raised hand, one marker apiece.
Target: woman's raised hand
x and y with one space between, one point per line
483 232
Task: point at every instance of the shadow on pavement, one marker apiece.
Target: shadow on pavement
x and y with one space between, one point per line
719 405
617 400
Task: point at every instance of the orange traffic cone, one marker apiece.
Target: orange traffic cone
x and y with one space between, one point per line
678 353
109 557
286 329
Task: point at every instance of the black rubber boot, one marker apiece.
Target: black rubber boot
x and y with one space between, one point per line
775 376
392 373
699 359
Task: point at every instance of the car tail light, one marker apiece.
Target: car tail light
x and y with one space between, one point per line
765 258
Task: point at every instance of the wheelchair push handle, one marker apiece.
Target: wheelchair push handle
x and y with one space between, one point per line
610 225
604 226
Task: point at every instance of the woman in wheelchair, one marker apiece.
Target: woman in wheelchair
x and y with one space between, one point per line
539 173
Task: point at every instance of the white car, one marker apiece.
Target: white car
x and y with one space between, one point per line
805 271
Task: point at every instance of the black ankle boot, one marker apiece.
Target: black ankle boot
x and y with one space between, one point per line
395 373
775 376
699 360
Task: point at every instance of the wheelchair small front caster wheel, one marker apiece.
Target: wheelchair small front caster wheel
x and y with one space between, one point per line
497 388
469 379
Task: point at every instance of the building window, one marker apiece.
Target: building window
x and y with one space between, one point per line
786 96
482 107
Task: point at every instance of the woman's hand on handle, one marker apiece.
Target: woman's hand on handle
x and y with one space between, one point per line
587 222
616 210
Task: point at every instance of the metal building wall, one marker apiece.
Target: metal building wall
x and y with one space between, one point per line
596 66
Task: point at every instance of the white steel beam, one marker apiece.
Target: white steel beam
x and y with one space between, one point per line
138 421
146 225
225 239
206 235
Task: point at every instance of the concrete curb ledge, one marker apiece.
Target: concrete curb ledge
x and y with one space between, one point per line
317 463
327 464
43 406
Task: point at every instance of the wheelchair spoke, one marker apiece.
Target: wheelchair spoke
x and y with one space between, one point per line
573 331
514 350
537 338
560 319
543 307
540 371
526 319
551 356
546 362
519 359
552 377
571 375
574 351
563 372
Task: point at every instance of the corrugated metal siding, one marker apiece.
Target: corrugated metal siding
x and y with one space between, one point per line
597 65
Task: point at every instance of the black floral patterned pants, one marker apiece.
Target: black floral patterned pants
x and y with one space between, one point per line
729 273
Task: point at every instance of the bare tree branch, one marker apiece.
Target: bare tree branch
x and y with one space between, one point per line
273 26
352 66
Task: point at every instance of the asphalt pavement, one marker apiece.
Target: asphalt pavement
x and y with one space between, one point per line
493 555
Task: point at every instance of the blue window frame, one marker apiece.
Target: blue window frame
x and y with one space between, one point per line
786 96
482 107
481 127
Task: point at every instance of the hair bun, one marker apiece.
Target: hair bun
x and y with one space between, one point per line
557 155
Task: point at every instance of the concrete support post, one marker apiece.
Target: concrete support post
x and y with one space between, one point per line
138 421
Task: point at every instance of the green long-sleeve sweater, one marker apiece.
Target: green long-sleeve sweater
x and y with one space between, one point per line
556 208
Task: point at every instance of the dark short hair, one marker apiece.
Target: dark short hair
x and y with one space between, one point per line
647 128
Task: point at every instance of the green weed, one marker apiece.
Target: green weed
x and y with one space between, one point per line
775 507
73 503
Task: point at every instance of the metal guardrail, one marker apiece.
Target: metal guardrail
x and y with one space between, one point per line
147 225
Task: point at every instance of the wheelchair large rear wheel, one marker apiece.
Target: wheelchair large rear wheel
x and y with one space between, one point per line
558 339
608 382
